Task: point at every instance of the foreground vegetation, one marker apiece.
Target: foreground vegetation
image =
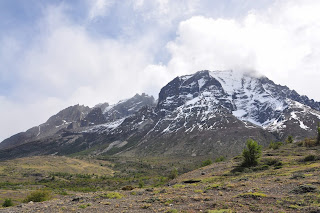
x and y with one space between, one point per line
65 176
281 178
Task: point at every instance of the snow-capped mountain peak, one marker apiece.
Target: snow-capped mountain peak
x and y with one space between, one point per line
208 112
242 94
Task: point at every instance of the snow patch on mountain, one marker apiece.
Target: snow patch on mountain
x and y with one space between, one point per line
192 101
105 127
249 97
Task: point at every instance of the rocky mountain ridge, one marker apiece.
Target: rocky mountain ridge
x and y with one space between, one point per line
206 113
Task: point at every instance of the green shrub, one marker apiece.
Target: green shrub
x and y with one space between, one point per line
254 195
38 196
177 186
62 192
173 174
146 206
219 211
220 159
310 158
275 145
318 136
113 195
83 206
172 211
289 139
141 183
301 189
127 188
7 202
206 162
308 142
251 154
271 162
260 168
297 175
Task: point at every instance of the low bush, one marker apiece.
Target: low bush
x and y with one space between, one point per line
113 195
206 162
178 186
127 188
260 168
275 145
304 189
173 174
172 211
219 211
7 203
271 162
309 158
238 169
289 139
83 206
309 142
297 175
38 196
254 195
220 159
141 183
318 135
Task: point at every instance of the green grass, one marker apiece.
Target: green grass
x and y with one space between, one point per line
172 211
179 186
219 211
113 195
254 195
83 206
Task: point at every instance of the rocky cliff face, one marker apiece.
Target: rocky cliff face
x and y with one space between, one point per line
207 113
55 123
78 118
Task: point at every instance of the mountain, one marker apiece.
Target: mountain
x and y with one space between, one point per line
206 113
52 126
76 119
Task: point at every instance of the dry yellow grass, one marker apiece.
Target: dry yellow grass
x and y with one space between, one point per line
53 164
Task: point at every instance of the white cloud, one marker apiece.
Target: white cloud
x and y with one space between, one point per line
282 42
16 117
165 12
99 8
69 66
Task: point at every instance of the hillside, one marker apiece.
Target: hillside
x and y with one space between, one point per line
286 180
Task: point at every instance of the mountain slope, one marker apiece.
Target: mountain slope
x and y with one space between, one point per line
55 123
206 113
76 119
216 112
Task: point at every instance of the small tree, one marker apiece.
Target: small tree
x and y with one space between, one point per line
38 196
173 174
289 139
7 203
318 137
251 154
141 183
220 159
206 163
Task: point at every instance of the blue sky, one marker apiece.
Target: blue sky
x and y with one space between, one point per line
57 53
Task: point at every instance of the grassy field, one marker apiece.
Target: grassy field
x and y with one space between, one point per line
287 179
65 175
